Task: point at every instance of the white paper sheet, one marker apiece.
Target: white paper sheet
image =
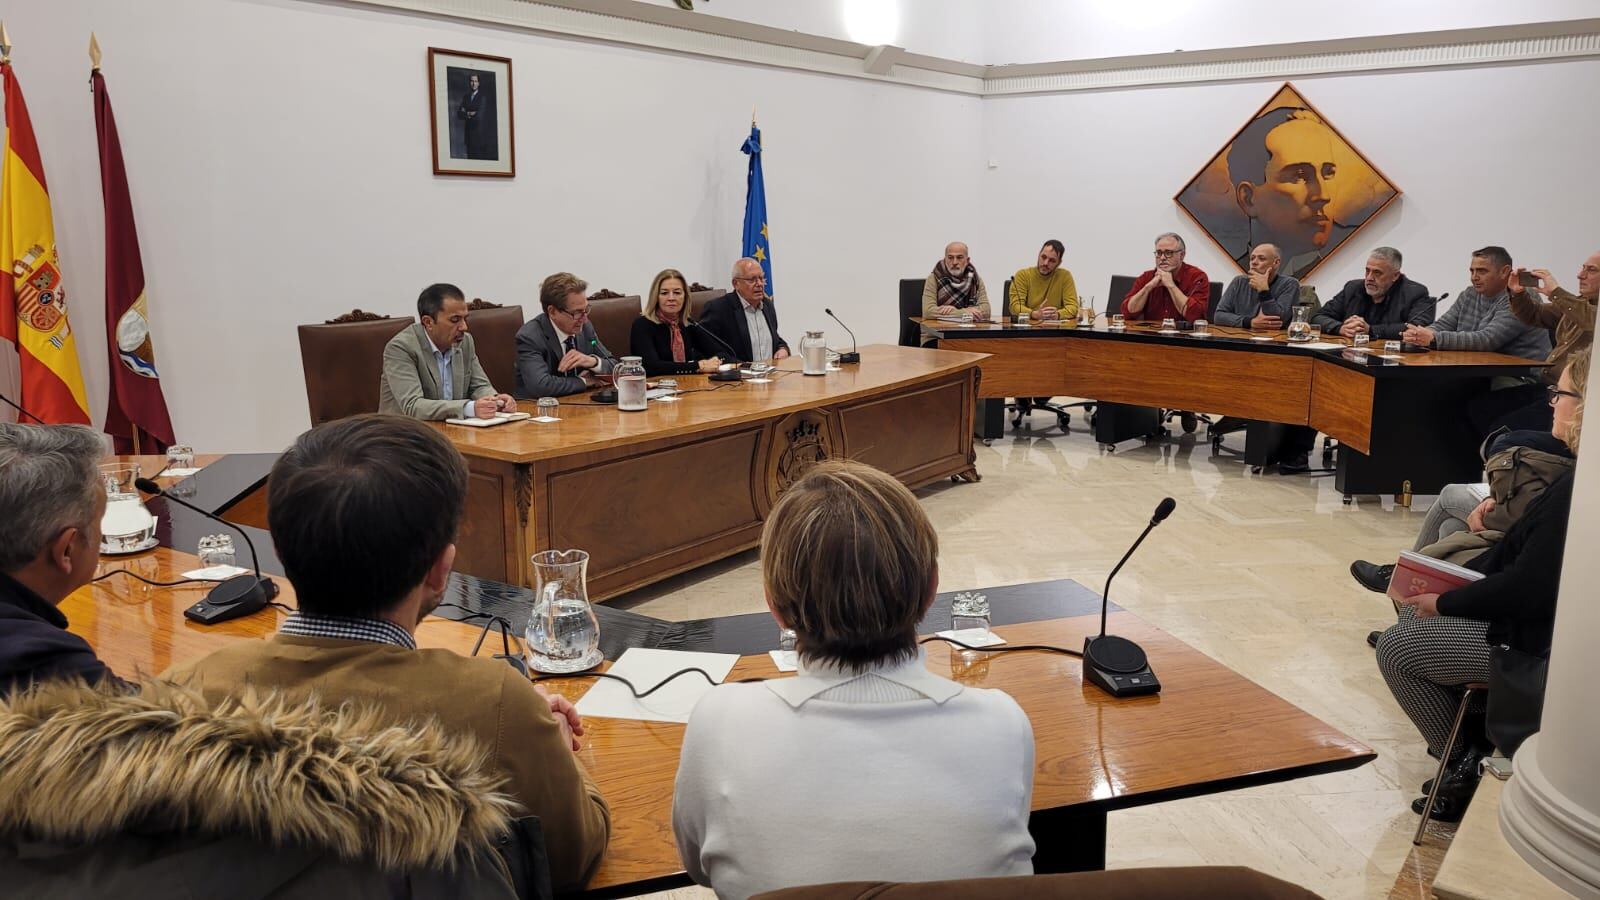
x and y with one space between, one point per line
974 637
645 669
1323 345
785 660
216 573
178 473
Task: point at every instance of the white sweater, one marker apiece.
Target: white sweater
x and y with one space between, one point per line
893 775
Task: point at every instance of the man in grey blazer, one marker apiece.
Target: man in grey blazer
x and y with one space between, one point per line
558 352
423 381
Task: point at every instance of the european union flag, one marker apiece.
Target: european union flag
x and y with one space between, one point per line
756 244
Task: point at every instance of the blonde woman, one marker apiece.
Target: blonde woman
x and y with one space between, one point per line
669 342
1443 641
865 766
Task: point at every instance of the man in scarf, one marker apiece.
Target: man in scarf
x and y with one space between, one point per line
954 287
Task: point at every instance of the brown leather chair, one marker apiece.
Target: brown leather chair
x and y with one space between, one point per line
343 363
494 334
699 299
612 319
1161 883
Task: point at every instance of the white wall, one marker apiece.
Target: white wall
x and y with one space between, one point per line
279 158
953 29
1099 170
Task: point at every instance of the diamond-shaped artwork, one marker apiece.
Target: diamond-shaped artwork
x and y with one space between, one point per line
1288 178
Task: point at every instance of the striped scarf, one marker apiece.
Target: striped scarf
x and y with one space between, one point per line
959 291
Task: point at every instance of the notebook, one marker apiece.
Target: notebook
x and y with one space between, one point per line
499 418
1417 574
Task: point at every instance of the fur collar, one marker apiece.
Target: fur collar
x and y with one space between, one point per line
80 764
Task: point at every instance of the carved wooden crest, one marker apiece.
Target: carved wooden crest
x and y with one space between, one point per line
799 442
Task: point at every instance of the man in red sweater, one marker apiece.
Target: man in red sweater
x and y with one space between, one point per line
1172 290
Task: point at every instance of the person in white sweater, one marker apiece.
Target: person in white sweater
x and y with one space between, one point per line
864 766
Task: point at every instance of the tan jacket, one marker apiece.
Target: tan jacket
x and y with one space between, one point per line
478 696
410 385
1571 316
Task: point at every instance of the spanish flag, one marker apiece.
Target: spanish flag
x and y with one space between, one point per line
33 308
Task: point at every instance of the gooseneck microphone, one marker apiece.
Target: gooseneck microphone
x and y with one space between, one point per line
18 407
853 356
733 355
240 595
1117 665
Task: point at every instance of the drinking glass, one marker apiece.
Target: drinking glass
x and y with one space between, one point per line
180 456
1020 318
217 550
548 407
1169 325
1202 327
670 385
1118 322
563 634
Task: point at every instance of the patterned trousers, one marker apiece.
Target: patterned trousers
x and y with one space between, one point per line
1425 662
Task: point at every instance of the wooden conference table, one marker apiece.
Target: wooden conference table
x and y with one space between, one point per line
1210 729
650 494
1398 421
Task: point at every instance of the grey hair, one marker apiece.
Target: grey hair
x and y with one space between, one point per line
1175 236
48 482
1388 254
741 261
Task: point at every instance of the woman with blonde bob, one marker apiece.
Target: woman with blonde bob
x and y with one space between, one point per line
865 765
665 338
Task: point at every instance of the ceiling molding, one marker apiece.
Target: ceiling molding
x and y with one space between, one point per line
668 29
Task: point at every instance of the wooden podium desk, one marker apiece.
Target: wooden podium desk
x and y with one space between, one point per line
1397 421
1210 730
650 494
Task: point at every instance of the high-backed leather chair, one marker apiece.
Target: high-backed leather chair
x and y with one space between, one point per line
911 306
612 319
343 363
699 299
494 334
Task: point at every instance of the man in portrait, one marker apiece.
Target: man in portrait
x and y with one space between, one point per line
1284 179
476 112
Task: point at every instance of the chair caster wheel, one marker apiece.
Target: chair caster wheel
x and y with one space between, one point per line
1064 421
1255 470
1348 500
1108 448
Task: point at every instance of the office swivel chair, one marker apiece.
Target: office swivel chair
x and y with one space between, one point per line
1021 406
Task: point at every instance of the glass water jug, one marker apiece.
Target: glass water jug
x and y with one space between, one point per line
814 353
563 634
631 386
127 525
1300 327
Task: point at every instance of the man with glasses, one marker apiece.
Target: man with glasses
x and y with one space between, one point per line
744 320
1172 290
558 352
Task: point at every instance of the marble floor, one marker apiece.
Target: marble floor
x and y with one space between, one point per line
1252 570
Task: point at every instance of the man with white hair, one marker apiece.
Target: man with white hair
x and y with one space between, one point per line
745 320
1381 303
51 501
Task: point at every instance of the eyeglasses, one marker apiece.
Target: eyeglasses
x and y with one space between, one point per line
577 313
1166 254
753 279
1557 393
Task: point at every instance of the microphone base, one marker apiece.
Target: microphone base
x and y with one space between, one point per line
729 375
850 359
1118 666
240 595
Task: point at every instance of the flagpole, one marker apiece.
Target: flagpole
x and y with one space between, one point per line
94 52
5 43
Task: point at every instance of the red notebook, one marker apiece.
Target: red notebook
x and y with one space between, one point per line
1417 574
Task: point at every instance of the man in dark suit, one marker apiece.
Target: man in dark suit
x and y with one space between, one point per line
558 352
476 130
745 319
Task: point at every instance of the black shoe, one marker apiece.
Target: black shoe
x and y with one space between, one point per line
1298 464
1190 423
1372 641
1372 576
1460 782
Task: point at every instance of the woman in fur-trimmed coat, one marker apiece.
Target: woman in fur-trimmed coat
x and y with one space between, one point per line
160 795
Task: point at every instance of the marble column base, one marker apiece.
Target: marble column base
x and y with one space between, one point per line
1556 836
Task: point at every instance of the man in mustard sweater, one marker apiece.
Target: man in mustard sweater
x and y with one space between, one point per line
1046 291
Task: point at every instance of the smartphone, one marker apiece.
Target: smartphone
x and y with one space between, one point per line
1528 279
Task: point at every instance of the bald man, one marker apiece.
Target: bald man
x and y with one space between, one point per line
954 287
1261 298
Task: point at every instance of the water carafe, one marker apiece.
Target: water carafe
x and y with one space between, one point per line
126 526
814 354
1300 328
563 634
631 387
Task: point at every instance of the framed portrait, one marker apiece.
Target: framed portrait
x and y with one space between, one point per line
469 110
1288 178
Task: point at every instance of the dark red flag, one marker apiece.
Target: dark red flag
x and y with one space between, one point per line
136 417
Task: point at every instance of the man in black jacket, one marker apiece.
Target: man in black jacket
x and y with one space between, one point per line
51 501
745 320
1381 303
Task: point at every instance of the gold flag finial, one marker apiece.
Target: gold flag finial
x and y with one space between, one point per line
5 42
94 51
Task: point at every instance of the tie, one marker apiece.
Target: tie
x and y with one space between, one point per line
572 342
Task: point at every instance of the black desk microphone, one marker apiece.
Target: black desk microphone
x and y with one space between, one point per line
14 405
1117 665
733 356
240 595
852 357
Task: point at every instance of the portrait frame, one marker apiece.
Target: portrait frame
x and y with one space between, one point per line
471 118
1220 214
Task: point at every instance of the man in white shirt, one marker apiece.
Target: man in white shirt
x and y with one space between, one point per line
431 370
745 320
